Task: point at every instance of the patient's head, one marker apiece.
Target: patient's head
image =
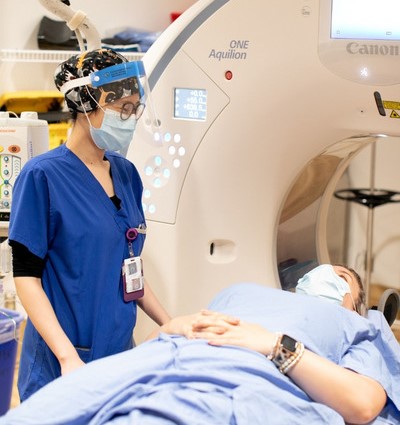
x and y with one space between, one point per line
336 283
356 288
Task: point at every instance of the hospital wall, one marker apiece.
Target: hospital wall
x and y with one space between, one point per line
19 24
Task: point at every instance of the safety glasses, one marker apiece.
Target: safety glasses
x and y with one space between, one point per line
129 108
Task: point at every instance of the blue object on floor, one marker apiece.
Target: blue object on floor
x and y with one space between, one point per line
10 321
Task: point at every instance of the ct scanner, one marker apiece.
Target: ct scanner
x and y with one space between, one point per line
262 105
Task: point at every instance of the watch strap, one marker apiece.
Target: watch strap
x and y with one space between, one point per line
286 353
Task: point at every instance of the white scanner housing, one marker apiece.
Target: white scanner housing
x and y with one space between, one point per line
261 111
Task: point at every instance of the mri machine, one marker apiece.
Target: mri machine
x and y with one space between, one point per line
262 106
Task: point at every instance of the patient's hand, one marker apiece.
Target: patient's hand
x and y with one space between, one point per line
181 325
242 334
215 323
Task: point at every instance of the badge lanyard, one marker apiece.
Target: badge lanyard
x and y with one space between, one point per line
131 235
132 268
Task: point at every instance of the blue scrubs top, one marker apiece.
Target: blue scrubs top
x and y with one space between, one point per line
61 213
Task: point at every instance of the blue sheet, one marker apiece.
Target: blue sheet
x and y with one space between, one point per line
171 380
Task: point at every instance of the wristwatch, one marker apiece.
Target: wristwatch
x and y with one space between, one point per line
285 350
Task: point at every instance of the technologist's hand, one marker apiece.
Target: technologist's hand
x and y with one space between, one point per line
248 335
70 364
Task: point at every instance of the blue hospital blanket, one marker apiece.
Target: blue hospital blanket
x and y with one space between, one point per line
174 381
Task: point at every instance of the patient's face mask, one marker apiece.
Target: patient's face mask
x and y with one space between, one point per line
114 133
324 282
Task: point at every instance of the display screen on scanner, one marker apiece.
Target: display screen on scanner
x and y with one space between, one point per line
190 104
365 19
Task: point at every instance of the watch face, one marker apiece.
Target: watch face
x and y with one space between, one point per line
289 343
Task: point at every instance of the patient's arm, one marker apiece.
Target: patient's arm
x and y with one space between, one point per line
357 398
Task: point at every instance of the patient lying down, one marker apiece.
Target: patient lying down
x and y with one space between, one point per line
257 356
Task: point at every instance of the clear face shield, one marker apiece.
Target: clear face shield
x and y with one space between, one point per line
123 87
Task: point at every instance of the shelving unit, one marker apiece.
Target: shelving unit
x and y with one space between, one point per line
48 56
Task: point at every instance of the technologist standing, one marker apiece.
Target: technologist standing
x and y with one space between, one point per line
77 227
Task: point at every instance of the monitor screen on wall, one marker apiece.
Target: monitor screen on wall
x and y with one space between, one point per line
365 19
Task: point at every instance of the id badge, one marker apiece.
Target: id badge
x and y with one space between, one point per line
133 280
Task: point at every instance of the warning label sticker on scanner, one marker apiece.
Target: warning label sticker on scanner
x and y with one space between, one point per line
394 114
390 104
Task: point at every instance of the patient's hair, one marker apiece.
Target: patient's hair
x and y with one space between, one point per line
360 302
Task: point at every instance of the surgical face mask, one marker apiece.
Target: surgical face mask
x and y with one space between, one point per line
324 282
114 134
